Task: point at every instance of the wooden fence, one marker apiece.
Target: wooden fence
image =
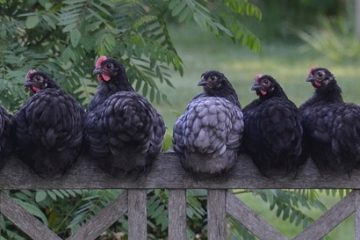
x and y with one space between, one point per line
167 173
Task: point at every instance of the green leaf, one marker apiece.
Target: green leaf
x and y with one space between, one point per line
32 21
75 36
40 196
167 143
33 209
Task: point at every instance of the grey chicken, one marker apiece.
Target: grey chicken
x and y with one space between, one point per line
207 136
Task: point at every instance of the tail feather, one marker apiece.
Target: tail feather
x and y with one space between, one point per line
125 162
209 164
50 163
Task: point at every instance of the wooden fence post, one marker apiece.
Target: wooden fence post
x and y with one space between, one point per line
177 214
357 214
216 209
137 214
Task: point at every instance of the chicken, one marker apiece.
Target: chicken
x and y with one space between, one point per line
49 127
273 131
6 135
207 136
124 133
331 126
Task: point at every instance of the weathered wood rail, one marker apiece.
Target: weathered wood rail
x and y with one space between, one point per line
167 173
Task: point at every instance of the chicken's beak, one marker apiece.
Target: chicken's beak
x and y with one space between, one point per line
27 83
202 82
310 78
96 71
255 86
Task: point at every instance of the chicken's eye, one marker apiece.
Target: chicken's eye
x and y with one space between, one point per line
109 65
38 78
265 82
214 78
320 74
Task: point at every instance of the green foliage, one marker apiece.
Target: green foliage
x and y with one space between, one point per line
334 39
221 18
64 211
63 39
288 205
282 17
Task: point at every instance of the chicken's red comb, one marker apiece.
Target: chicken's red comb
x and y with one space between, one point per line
31 71
312 69
99 61
258 76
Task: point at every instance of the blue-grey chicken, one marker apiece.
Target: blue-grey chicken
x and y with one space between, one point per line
207 136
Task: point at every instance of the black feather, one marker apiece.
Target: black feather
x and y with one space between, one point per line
124 133
331 126
49 130
7 136
273 131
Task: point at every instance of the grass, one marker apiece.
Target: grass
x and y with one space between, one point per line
289 64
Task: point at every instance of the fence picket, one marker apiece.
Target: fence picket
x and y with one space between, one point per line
102 220
30 225
137 214
357 214
329 220
251 220
177 214
216 207
168 173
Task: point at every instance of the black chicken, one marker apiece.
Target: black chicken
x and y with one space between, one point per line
124 132
331 126
207 136
273 131
49 127
6 135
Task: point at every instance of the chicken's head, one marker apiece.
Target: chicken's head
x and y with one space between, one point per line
265 85
107 68
213 81
36 81
320 77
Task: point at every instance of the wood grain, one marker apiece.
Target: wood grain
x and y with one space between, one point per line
249 219
329 220
137 214
357 214
177 214
30 225
102 220
216 209
168 173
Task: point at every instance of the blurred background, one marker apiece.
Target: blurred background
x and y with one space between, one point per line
166 46
294 36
